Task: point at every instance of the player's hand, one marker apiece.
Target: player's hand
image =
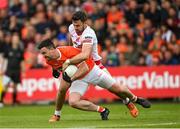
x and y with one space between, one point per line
66 77
65 64
55 73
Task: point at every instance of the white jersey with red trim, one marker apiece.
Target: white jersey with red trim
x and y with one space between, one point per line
88 36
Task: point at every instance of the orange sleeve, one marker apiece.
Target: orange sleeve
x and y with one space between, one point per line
69 51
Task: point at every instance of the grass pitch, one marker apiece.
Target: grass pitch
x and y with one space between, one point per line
166 115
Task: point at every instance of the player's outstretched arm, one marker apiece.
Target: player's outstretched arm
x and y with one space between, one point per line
82 70
84 55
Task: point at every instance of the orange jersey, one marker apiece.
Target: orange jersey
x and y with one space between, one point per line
67 52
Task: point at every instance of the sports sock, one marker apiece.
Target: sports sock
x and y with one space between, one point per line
100 109
126 101
134 99
57 113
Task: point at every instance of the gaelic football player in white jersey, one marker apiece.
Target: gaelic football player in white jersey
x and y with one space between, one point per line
84 38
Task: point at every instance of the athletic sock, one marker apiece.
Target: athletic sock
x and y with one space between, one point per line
126 101
100 109
57 113
134 99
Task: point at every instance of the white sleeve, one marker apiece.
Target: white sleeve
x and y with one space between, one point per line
87 39
70 29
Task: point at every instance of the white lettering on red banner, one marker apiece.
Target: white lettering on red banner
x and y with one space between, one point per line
150 80
43 85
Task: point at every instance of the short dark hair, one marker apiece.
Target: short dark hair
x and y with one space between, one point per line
79 15
46 43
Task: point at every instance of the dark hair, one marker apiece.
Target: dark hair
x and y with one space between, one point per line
46 43
79 15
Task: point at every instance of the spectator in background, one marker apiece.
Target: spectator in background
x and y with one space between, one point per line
140 25
35 20
88 6
131 13
146 10
32 7
165 6
114 36
122 46
24 11
100 29
141 61
65 6
14 56
168 58
155 14
166 34
173 21
155 61
148 32
114 16
62 35
14 26
77 5
155 44
30 57
15 9
112 57
176 53
42 23
131 55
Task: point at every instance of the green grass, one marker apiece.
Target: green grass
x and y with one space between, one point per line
160 115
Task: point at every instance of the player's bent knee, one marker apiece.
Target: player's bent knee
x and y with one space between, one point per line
74 99
73 103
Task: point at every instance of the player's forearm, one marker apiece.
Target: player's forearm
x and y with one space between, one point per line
82 70
84 55
79 58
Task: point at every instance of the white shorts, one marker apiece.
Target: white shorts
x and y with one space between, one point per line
96 77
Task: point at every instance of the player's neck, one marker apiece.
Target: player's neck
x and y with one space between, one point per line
80 33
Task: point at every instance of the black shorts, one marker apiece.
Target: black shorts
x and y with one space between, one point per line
14 75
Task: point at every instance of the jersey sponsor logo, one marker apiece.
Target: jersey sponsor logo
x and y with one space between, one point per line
88 37
87 41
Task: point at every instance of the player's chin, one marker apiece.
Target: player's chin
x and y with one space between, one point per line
78 31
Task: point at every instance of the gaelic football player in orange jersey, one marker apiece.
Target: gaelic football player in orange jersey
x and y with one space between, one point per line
93 74
83 37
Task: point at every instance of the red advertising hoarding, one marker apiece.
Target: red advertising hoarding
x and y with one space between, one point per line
148 82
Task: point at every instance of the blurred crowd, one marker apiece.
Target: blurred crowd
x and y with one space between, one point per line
129 32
